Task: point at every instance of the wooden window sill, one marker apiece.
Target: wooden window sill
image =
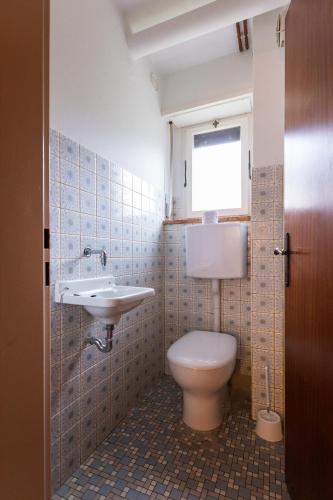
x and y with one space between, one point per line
197 220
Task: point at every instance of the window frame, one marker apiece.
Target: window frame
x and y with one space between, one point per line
243 123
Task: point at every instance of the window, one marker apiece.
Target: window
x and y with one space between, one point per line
218 168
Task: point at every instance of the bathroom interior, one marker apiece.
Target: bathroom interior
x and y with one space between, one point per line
175 210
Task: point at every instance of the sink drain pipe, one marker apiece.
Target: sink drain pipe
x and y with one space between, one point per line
107 345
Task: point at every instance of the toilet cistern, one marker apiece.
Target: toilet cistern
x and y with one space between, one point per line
216 251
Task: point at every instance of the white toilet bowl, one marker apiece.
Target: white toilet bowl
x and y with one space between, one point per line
201 364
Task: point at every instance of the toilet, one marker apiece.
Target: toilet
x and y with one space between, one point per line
202 363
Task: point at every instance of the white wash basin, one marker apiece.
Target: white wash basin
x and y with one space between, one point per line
101 297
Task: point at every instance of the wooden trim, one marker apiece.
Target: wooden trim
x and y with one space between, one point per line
198 220
46 252
246 36
239 37
25 347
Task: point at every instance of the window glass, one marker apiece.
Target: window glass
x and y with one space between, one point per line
217 170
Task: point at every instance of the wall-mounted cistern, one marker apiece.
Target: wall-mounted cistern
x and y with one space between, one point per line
88 252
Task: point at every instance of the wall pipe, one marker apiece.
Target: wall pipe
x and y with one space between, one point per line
216 295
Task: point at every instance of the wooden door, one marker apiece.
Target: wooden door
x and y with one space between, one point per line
309 220
24 336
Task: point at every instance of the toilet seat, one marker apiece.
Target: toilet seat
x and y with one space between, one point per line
201 350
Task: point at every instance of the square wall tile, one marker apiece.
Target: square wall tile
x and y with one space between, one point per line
87 180
69 149
69 222
69 173
87 159
103 167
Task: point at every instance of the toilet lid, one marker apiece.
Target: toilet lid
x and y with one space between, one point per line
203 350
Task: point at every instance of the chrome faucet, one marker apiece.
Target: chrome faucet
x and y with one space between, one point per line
88 252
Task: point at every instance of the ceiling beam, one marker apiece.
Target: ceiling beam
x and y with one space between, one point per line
146 14
211 17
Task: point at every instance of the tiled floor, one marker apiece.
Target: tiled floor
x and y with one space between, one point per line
152 454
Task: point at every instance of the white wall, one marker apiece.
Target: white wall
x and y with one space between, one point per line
268 93
98 96
206 83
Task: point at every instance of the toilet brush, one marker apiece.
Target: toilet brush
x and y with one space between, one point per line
269 425
268 398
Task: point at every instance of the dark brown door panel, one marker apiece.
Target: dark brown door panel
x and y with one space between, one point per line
309 220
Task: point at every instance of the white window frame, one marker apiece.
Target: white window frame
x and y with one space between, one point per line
243 123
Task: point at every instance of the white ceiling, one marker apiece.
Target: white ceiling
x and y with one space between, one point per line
173 35
196 51
143 14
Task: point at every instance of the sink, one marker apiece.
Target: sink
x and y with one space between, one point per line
101 297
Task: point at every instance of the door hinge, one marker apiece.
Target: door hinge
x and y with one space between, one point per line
249 166
185 174
46 238
47 273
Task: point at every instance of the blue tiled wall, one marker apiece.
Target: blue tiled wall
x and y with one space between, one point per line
94 202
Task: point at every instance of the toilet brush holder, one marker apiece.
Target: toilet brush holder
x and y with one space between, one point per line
269 426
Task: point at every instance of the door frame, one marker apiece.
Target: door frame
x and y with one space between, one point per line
24 294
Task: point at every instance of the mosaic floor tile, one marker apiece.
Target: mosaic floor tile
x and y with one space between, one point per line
151 454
